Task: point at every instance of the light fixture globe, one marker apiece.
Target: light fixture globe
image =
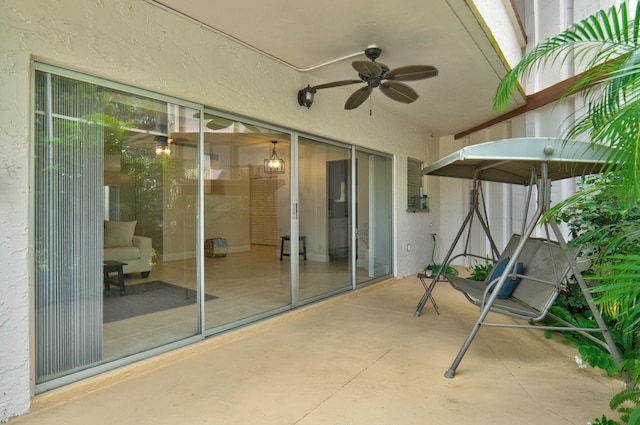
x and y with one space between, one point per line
305 96
274 164
162 145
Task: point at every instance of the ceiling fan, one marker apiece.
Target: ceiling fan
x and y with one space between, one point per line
375 74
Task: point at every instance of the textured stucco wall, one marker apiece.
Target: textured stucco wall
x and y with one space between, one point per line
14 226
133 42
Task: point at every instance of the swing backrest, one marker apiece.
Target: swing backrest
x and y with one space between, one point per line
545 269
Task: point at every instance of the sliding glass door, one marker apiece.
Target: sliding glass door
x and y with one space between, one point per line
150 208
157 221
373 217
115 203
324 242
246 172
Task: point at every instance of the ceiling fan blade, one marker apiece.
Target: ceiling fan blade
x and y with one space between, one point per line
358 98
216 123
411 73
398 91
367 68
336 84
188 145
182 141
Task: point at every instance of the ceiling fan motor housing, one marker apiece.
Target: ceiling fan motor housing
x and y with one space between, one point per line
373 52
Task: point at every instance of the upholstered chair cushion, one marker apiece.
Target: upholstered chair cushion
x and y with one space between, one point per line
118 233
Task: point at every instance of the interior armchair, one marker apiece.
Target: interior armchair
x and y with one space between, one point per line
121 244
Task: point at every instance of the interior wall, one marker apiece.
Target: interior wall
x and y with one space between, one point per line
313 200
227 201
363 213
133 42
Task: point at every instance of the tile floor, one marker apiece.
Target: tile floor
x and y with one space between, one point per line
246 284
359 358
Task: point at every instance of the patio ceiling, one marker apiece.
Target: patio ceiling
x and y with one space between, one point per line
303 35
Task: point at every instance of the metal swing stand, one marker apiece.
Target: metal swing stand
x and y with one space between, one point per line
533 162
474 210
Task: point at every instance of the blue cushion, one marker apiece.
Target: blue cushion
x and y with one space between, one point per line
511 283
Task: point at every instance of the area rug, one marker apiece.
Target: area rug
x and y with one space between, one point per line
146 298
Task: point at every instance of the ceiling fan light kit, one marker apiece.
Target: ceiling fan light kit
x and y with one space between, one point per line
375 75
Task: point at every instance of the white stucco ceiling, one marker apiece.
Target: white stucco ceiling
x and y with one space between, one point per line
305 34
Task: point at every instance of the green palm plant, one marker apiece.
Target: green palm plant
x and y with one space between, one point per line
607 46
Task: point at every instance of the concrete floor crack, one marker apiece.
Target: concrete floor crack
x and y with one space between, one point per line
353 378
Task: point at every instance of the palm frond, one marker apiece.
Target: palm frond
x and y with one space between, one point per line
618 291
630 415
590 42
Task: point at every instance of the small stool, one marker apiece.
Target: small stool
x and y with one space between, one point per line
422 277
113 267
303 252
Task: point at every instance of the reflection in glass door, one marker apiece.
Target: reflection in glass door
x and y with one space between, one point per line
246 213
324 245
115 204
150 192
373 217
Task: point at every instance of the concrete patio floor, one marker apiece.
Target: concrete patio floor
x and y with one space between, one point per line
360 358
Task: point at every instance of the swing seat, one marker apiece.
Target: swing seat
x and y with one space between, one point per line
537 285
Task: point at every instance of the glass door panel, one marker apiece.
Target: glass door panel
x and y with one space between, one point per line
246 212
324 218
115 224
373 217
150 185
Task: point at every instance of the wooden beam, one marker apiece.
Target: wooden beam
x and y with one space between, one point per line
532 102
552 93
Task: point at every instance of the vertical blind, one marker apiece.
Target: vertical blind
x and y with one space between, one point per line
69 208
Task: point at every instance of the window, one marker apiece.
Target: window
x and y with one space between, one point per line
414 185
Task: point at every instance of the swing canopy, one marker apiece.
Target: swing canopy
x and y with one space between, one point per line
510 160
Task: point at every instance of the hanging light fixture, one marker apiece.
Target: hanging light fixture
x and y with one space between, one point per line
274 164
162 145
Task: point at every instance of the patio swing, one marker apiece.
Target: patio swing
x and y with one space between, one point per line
531 272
